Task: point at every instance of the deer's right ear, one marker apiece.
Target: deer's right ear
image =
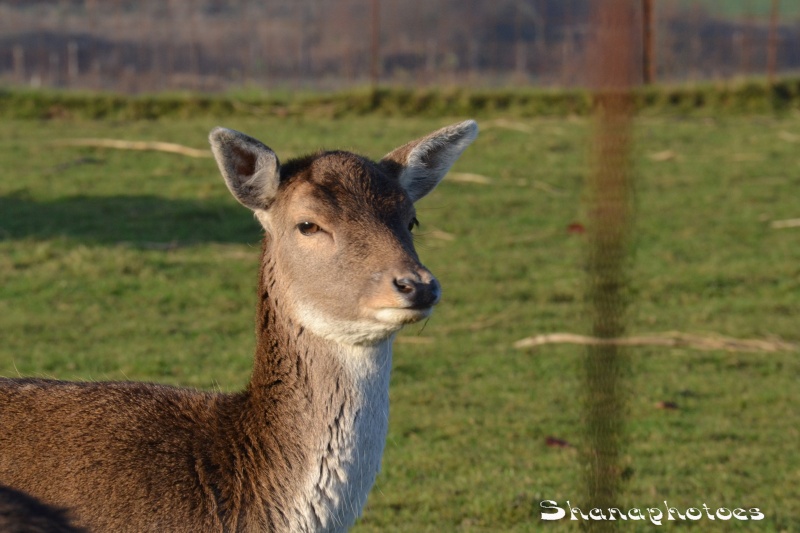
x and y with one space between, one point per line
251 170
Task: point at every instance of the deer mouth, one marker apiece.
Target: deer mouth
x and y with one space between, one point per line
403 315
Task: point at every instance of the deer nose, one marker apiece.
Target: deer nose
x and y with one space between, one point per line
418 294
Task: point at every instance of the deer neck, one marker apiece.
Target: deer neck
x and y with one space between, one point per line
328 409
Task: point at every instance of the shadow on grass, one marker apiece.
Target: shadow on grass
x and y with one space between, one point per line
147 221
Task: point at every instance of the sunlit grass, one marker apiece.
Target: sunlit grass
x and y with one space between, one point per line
138 265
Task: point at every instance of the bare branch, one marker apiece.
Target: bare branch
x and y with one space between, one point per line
670 339
119 144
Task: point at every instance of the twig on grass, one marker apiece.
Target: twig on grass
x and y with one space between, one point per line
546 187
783 224
466 177
666 155
440 235
120 144
672 339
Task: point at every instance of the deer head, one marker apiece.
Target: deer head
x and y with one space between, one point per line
341 258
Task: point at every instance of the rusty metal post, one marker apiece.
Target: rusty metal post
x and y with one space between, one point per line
609 220
18 61
772 44
648 43
375 44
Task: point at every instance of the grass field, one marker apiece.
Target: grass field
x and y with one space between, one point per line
139 265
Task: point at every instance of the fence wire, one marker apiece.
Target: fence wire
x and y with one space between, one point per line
609 216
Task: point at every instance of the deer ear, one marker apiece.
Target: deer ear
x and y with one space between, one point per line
420 165
250 168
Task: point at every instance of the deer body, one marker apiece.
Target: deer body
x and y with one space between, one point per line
300 448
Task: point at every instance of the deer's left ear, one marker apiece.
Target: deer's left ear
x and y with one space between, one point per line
420 165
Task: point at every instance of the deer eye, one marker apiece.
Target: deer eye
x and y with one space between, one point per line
413 224
308 228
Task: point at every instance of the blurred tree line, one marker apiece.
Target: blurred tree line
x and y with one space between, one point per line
212 45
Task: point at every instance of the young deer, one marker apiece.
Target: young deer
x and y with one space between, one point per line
299 449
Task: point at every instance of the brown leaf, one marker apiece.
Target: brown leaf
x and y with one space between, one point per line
555 442
670 406
576 228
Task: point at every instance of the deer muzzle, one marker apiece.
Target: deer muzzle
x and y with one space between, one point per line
418 293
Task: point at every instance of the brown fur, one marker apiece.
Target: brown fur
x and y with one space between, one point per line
20 513
143 457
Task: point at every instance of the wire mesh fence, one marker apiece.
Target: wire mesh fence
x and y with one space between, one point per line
213 45
609 207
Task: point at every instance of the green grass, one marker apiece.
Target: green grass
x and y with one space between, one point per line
739 96
138 265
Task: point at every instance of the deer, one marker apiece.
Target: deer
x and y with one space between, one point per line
299 449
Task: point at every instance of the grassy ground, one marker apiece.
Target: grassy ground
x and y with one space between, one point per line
138 265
